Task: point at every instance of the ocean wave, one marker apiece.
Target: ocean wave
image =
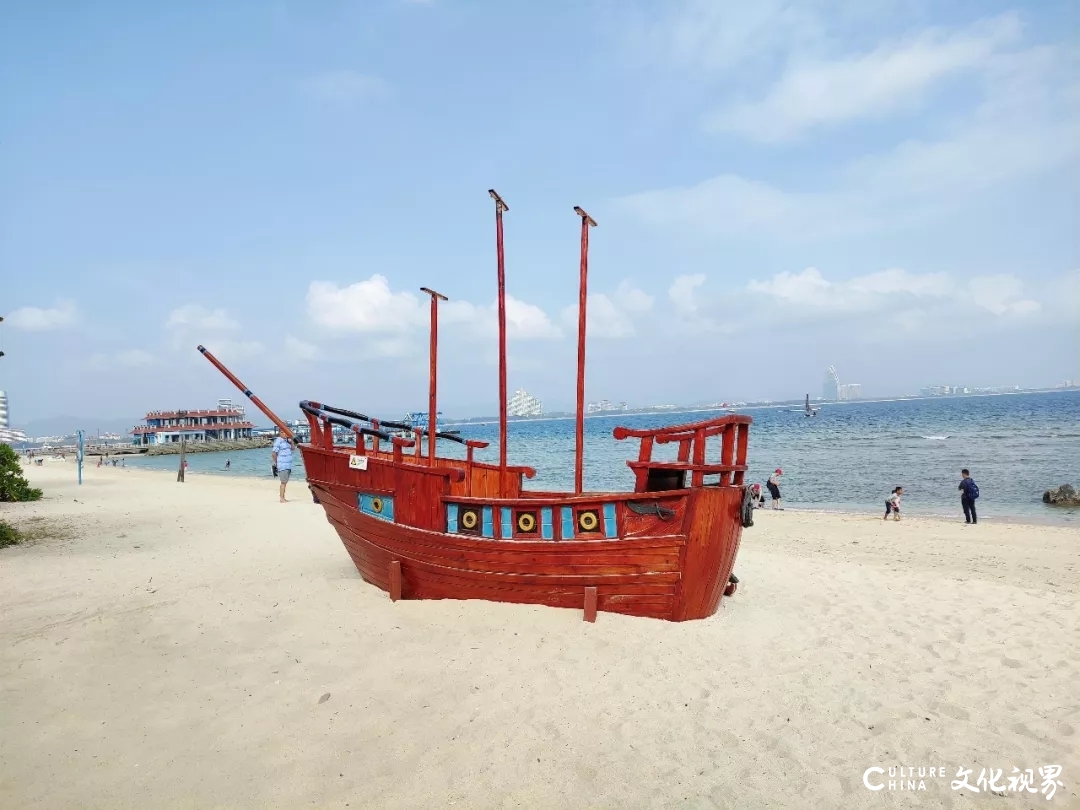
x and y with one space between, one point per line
936 438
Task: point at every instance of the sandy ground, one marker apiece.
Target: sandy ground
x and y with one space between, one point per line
177 647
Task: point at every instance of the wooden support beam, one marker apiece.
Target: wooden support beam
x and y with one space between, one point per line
395 580
590 603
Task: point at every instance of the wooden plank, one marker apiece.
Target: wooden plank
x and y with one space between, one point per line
643 580
395 580
590 604
709 550
667 576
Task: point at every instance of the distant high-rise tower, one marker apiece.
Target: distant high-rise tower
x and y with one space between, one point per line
831 390
3 410
836 391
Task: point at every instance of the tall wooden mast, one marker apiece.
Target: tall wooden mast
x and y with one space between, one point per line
501 206
433 354
583 293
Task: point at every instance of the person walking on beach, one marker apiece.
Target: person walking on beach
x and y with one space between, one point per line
892 503
227 463
774 488
281 458
969 491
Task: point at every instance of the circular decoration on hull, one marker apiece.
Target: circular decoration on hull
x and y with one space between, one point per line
526 522
377 505
469 520
588 520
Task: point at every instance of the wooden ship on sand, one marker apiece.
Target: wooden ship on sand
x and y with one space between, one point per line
424 526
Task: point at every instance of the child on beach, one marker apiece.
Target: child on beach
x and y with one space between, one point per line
892 503
774 488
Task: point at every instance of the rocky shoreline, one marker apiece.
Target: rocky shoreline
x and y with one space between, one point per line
173 448
1065 495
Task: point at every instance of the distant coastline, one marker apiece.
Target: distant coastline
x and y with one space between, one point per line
750 406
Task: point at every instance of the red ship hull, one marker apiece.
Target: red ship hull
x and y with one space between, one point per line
664 554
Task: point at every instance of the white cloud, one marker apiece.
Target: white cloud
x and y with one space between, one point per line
732 204
809 289
130 358
197 317
346 87
695 310
228 350
880 305
134 357
366 306
610 316
1065 297
893 76
1017 119
683 293
194 324
297 349
713 37
524 321
528 321
1006 140
631 299
1001 295
372 307
35 319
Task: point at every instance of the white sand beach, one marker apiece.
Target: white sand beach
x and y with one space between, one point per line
175 647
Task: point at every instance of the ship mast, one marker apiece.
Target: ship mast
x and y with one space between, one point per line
501 206
273 417
579 445
433 353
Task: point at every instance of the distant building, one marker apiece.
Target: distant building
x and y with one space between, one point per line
849 391
835 391
224 423
605 406
957 390
522 403
13 436
8 435
830 389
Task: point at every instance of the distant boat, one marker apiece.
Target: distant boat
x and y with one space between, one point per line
807 410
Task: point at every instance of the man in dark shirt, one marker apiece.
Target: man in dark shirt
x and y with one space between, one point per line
969 491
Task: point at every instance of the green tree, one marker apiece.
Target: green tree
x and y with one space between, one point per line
13 484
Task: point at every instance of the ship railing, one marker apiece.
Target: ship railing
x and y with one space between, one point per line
692 438
320 417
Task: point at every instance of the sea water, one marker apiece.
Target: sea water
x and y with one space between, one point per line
848 457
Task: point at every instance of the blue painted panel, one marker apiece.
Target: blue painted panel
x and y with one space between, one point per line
451 518
567 522
609 520
377 506
546 530
487 525
507 522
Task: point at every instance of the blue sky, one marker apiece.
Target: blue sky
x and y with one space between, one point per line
886 187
